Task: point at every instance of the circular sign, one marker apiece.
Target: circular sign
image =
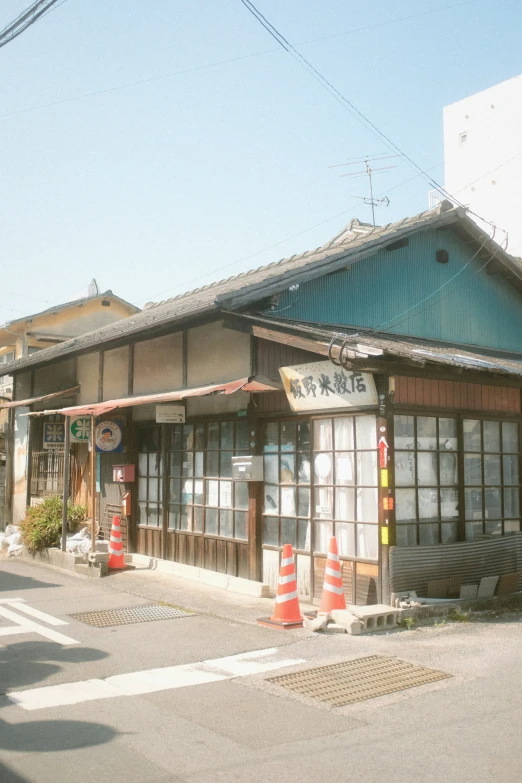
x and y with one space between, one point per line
323 465
108 436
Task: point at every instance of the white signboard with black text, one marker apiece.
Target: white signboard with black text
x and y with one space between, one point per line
170 414
324 385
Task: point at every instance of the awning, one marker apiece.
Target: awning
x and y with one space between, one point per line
251 384
31 400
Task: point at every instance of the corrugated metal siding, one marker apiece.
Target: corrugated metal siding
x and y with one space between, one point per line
474 309
411 568
270 357
456 395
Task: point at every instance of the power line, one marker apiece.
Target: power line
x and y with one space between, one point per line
344 101
25 20
228 61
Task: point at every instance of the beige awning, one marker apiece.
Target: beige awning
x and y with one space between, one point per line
31 400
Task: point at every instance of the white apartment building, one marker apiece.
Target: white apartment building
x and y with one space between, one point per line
483 157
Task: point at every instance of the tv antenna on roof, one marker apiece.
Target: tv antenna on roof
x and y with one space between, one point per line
369 172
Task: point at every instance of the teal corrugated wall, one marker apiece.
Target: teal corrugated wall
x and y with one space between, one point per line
475 308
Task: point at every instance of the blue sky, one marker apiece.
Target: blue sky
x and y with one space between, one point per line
153 188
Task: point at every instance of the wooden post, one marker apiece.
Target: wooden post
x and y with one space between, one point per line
93 485
66 458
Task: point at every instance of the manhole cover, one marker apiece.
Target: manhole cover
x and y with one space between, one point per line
132 614
351 681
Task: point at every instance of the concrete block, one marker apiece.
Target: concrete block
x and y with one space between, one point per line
378 617
348 621
318 623
335 628
93 570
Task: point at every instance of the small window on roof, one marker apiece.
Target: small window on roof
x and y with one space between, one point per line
463 137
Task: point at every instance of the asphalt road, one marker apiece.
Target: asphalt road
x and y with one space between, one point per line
207 721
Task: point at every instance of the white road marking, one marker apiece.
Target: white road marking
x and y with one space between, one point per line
152 680
23 625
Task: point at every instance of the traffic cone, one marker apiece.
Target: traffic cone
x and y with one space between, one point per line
333 590
116 554
286 613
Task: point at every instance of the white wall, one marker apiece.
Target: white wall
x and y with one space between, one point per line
87 371
492 123
158 364
116 373
21 428
216 354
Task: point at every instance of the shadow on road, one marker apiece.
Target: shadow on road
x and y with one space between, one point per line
15 582
48 736
26 663
7 775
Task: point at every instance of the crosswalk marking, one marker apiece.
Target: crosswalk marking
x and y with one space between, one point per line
23 625
153 680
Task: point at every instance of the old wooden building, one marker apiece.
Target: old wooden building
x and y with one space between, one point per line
378 376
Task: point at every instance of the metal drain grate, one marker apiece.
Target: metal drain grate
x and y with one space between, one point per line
352 681
132 614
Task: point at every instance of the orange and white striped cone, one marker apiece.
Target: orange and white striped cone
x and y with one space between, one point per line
333 590
287 613
116 553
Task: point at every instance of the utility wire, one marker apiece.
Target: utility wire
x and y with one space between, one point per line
229 60
25 20
345 102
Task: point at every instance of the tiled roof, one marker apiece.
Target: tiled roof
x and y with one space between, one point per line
355 241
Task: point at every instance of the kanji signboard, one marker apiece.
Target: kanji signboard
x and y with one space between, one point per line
80 429
322 385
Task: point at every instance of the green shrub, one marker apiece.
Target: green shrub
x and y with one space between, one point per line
42 526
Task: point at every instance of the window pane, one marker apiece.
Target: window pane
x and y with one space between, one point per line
198 464
200 436
511 474
405 505
303 436
448 469
212 463
404 468
491 433
323 502
345 503
211 521
428 504
154 464
448 532
142 464
153 490
428 535
323 434
213 436
367 468
344 467
198 519
473 503
153 515
345 534
271 531
406 535
271 437
303 502
241 490
449 503
511 503
271 468
142 513
492 504
225 494
323 534
188 464
323 469
367 505
491 469
426 432
509 437
213 493
404 432
288 436
303 472
367 541
471 435
343 433
288 532
288 500
226 464
176 437
174 517
175 491
303 535
366 432
472 469
175 463
227 435
511 525
493 528
271 505
198 491
242 435
448 434
225 523
188 437
241 520
142 489
473 529
187 486
287 468
427 468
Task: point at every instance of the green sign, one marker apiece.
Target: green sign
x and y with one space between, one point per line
80 429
